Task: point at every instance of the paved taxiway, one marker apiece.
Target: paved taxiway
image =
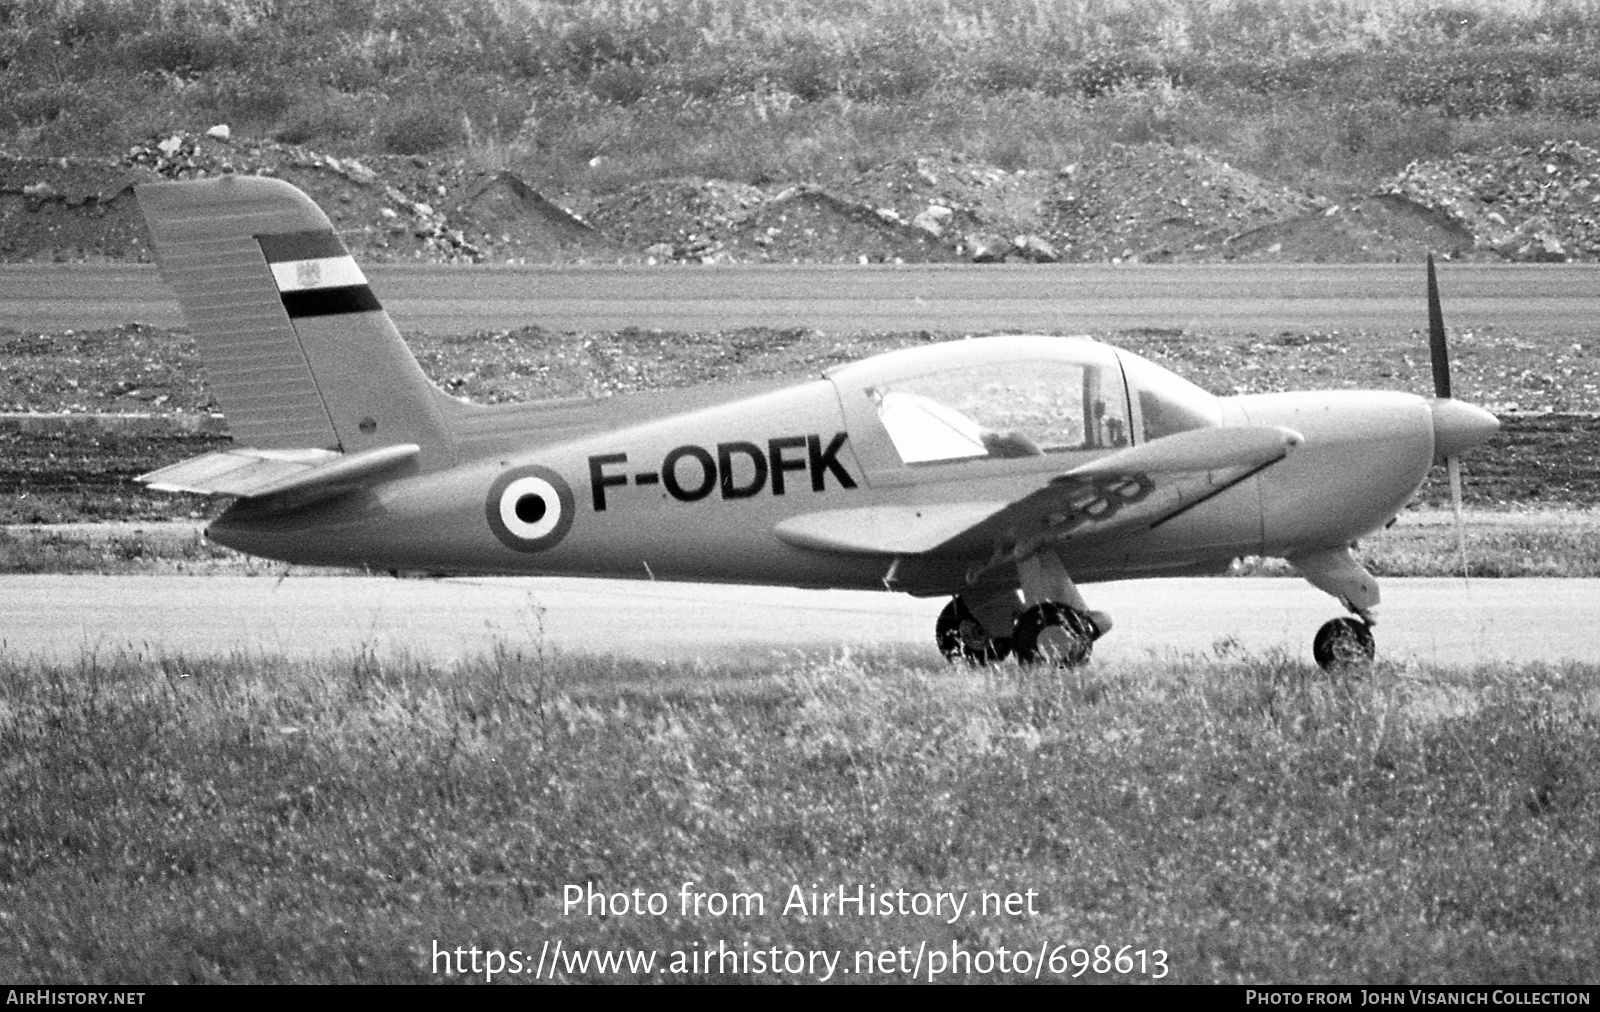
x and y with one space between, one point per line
1521 298
62 617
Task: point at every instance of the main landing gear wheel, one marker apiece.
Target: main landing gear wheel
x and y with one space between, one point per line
1343 643
963 638
1054 633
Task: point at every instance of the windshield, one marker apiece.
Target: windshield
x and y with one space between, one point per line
1167 403
1003 410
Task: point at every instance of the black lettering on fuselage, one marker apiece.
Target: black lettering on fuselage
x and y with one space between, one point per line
758 461
775 448
708 473
740 469
599 481
827 460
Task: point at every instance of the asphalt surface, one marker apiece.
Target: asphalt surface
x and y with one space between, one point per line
1560 298
62 618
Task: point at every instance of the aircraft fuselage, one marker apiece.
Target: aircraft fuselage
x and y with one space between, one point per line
697 495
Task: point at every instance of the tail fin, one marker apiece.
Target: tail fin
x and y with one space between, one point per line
299 353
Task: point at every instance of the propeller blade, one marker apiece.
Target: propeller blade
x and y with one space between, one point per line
1436 345
1454 467
1453 423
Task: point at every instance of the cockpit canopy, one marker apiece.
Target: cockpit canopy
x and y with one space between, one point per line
1004 409
1014 397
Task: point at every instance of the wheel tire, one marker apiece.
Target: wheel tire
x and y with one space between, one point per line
1343 643
1055 633
963 639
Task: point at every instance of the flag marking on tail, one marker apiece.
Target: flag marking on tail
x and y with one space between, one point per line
323 272
315 275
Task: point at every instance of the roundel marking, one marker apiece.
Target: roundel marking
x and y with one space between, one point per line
529 508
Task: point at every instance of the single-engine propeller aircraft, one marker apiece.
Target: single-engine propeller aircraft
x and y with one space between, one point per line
1000 472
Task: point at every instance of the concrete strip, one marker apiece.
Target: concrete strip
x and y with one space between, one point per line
1260 298
62 618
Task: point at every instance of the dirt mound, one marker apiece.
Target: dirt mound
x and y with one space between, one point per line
386 208
1134 203
1530 204
1154 203
1149 203
713 221
980 211
801 222
1146 202
64 209
513 215
1363 228
677 219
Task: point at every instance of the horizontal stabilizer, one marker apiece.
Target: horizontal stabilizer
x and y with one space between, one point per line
1196 450
884 530
251 473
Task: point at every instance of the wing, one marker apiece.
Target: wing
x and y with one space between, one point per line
1133 489
251 473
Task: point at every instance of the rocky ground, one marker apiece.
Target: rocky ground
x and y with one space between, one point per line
1150 202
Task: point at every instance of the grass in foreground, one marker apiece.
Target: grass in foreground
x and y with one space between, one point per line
242 819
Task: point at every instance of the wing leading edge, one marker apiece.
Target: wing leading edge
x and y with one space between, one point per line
1136 488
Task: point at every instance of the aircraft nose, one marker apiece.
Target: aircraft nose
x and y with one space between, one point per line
1458 426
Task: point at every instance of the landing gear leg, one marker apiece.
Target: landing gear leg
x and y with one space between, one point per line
1056 625
975 626
1343 642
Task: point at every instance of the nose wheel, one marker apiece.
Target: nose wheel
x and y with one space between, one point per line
963 638
1054 633
1343 643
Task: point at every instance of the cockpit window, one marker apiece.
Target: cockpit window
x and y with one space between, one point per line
1164 416
1007 409
1167 403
